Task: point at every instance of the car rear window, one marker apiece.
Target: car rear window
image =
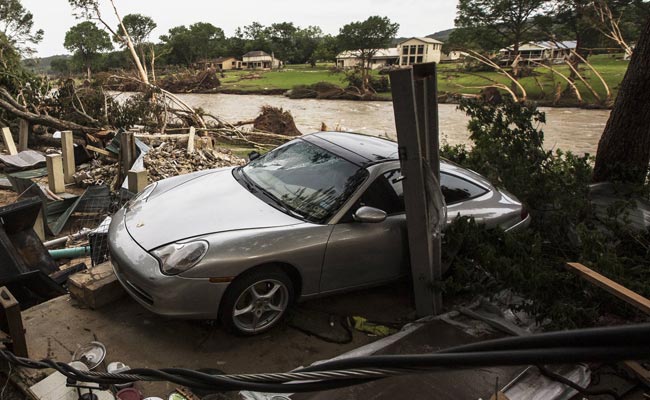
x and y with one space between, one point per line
456 189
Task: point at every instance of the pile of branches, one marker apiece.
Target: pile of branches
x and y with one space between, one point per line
168 160
205 81
276 120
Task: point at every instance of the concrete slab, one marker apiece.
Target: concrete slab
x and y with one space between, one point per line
139 338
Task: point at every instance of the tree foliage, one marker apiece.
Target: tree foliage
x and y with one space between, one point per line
138 26
187 45
17 26
493 24
87 41
365 38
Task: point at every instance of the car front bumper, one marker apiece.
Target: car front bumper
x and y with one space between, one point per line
140 275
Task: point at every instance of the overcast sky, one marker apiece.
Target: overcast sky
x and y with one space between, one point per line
416 17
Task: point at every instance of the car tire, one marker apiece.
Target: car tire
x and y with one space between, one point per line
256 301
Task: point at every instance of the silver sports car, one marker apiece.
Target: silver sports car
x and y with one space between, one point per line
321 214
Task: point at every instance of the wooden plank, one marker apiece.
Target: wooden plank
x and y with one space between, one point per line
100 151
39 225
127 154
67 145
161 136
190 140
138 180
612 287
55 179
23 135
8 140
14 322
638 370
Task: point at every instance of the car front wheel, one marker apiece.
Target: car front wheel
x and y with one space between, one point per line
257 301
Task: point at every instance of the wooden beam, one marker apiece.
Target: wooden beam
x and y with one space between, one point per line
127 154
190 140
12 321
8 140
23 135
67 146
100 151
39 225
638 370
612 287
138 180
55 179
161 136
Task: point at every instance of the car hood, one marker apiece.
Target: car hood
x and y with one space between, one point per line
197 205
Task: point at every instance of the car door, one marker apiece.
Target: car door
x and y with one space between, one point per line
358 253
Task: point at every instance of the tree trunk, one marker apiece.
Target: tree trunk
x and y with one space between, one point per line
624 149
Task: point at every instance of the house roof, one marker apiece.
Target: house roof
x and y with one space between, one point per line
392 52
257 53
423 39
544 45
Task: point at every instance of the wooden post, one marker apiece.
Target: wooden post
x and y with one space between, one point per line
55 179
67 145
127 154
12 321
138 180
190 140
23 135
8 140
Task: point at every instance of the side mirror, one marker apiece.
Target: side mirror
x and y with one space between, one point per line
369 215
253 155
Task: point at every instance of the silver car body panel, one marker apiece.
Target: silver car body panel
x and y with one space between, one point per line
211 202
140 275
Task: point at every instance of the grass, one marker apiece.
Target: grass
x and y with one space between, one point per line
541 86
285 79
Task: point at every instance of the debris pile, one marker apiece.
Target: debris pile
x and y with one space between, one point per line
276 120
97 174
191 82
166 161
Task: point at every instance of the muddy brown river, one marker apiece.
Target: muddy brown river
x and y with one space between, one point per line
572 129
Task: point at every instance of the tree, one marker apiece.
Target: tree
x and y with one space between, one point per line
495 23
365 38
16 25
138 27
326 50
624 149
187 45
86 41
61 65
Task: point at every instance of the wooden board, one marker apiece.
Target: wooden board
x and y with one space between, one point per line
612 287
8 140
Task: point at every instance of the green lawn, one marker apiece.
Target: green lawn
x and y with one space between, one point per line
285 79
540 86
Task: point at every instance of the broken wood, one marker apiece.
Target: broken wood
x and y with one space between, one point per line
100 151
8 140
23 135
612 287
12 322
638 370
96 287
55 178
138 180
67 146
39 225
190 140
142 136
127 153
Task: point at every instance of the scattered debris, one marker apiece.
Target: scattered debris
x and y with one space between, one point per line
27 159
92 354
166 161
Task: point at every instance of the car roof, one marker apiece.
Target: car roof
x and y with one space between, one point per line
365 150
358 148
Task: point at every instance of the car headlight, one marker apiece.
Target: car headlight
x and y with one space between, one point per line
143 196
178 257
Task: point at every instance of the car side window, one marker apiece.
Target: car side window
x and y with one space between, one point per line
384 193
456 189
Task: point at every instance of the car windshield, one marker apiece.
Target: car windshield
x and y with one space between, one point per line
305 179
